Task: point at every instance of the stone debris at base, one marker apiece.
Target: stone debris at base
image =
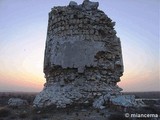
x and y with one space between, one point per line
83 58
17 102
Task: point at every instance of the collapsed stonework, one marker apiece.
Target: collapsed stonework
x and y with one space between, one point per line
83 58
17 102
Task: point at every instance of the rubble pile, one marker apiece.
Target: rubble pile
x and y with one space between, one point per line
17 102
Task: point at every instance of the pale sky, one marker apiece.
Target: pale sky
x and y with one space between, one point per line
23 29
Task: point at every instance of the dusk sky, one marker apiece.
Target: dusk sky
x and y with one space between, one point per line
23 29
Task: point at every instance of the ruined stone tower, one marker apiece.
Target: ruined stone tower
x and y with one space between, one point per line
83 57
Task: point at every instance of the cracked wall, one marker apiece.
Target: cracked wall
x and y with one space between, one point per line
76 34
82 56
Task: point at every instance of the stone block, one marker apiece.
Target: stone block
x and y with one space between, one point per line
90 5
73 4
17 102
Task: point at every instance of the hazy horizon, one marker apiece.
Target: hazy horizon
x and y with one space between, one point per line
23 35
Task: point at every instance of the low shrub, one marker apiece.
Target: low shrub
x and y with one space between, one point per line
4 112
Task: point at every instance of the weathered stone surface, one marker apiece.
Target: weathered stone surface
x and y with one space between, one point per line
83 58
99 103
75 53
124 100
17 102
140 103
73 4
90 5
79 90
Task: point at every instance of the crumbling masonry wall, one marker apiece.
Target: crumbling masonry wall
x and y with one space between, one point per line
82 39
83 57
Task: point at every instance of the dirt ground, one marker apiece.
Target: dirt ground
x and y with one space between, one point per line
77 112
